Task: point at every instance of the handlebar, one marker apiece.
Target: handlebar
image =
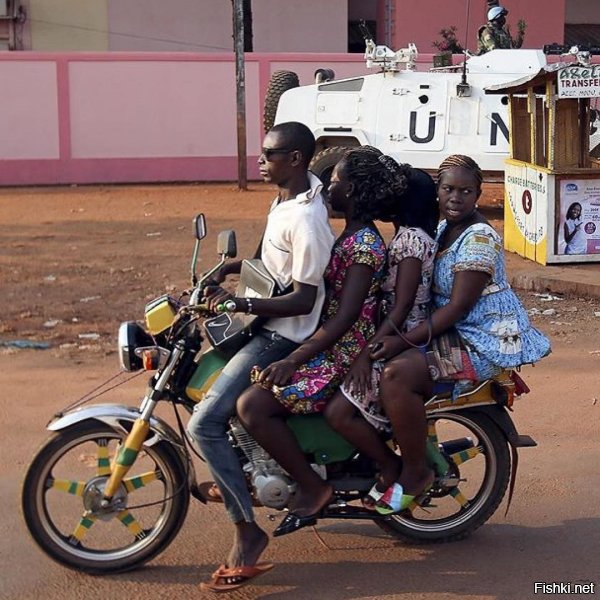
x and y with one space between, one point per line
227 306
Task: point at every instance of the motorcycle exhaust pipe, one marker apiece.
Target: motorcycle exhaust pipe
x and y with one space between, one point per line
457 445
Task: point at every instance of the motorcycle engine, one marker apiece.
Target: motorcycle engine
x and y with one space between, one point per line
272 489
272 486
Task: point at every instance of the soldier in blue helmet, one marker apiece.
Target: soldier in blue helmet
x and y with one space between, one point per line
496 34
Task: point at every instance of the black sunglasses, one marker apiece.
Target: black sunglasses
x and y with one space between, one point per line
269 152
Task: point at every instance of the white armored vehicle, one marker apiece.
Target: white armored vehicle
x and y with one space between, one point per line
417 117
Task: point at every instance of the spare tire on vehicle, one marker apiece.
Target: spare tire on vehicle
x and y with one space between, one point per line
322 166
323 162
281 81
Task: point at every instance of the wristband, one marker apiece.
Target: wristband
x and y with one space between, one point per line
248 306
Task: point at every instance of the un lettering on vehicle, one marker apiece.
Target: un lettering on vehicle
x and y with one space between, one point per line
431 122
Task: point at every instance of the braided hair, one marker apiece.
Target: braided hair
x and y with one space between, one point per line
463 161
377 179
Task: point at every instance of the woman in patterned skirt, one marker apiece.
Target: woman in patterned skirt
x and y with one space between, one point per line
473 300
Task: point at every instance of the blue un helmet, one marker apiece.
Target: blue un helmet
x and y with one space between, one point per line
496 12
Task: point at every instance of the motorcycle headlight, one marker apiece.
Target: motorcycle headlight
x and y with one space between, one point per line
132 336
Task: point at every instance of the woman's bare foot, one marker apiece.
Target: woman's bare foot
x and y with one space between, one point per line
388 474
415 484
249 543
310 501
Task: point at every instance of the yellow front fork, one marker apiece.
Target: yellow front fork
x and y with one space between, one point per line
126 456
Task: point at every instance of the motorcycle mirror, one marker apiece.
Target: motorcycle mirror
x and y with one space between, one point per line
200 226
226 244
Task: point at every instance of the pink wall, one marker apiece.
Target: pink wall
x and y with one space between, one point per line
410 26
160 108
126 117
28 119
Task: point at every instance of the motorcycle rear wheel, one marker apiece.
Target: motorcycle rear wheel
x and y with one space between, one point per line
486 476
61 486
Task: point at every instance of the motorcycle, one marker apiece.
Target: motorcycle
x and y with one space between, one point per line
110 489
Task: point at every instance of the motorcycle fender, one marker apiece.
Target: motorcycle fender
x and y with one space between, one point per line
502 419
116 416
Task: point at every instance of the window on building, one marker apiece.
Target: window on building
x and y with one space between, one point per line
582 34
356 42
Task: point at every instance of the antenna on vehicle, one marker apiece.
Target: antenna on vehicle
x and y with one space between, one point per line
463 89
467 28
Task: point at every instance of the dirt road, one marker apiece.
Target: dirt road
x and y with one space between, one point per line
75 262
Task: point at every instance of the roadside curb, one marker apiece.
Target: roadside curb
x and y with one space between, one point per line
570 281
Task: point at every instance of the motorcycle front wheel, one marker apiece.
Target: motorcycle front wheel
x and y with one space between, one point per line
474 488
62 495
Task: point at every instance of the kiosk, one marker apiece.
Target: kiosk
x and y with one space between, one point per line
552 184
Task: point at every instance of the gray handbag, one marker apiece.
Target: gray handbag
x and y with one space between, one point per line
229 332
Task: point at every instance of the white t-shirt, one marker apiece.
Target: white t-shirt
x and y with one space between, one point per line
297 246
578 243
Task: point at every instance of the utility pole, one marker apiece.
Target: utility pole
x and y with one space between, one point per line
240 80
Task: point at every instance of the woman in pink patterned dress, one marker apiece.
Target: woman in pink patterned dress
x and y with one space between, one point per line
361 185
355 411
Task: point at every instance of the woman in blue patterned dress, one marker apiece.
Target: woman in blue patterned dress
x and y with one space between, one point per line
471 295
304 381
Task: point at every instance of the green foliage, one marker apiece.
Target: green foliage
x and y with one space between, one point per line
449 41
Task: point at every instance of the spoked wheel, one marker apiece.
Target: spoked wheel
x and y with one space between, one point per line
470 492
62 496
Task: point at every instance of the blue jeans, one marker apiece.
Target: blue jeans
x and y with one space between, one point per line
209 423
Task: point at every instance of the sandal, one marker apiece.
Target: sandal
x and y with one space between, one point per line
394 500
227 579
210 491
292 522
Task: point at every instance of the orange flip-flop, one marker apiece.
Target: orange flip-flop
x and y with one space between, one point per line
227 579
212 493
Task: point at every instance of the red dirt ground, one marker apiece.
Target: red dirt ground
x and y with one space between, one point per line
76 261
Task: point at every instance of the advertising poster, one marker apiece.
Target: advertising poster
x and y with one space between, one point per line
579 222
525 211
579 82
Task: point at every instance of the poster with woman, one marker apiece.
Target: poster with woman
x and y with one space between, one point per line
579 223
